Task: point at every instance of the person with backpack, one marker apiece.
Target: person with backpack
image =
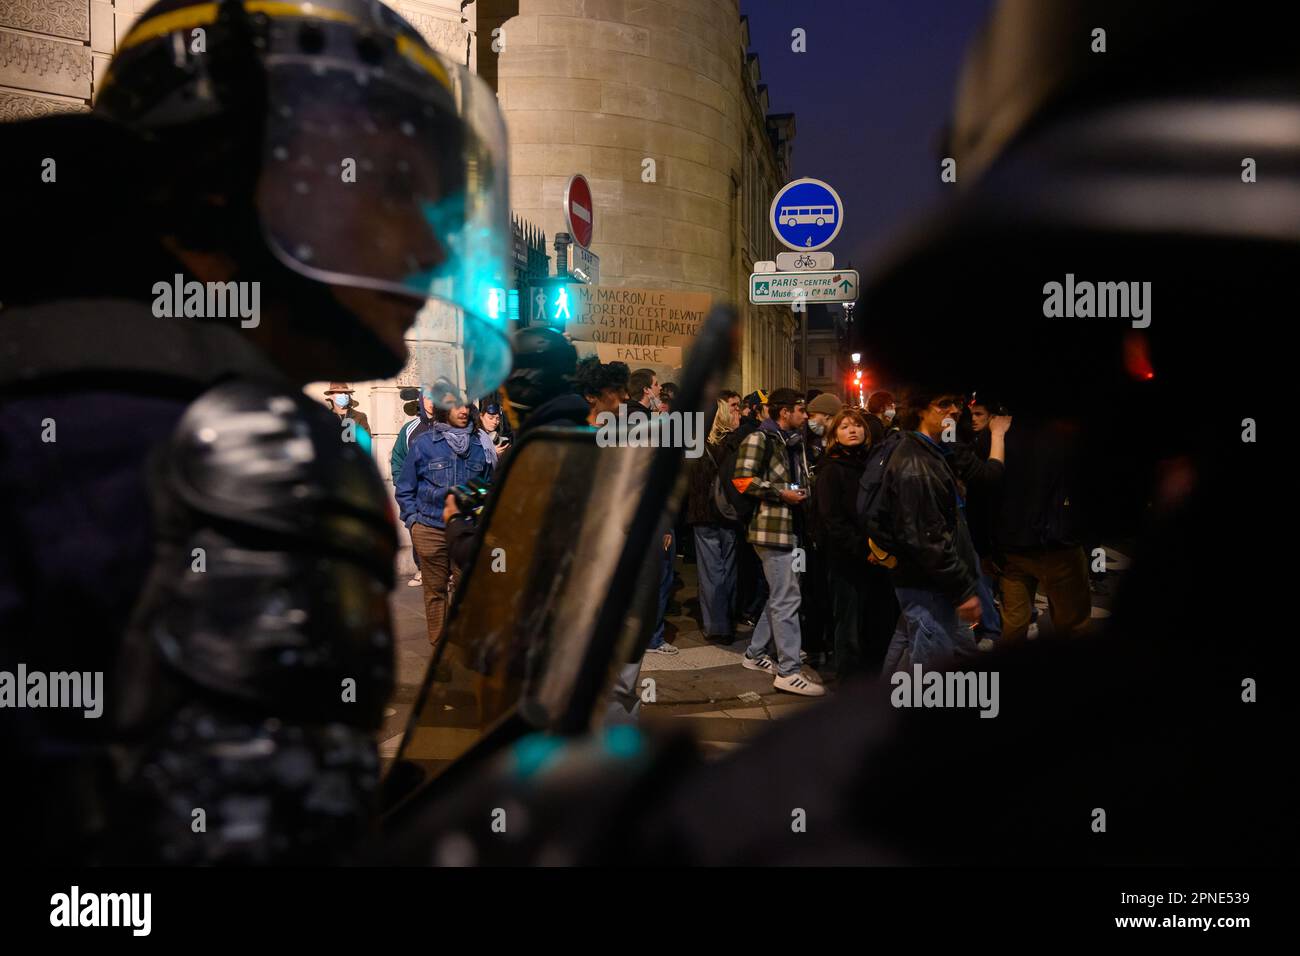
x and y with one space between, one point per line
769 476
862 603
914 515
751 586
715 534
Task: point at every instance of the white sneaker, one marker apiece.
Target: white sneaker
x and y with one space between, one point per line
760 663
664 648
798 684
416 581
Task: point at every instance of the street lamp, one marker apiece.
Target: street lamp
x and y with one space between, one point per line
857 357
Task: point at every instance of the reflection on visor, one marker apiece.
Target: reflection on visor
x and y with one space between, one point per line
370 183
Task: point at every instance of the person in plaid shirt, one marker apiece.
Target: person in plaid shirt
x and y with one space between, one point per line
769 466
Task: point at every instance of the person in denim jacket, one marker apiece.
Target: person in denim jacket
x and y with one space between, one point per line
452 452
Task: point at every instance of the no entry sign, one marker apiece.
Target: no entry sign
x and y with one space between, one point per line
578 209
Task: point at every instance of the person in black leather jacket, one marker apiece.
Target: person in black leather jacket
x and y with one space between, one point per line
937 575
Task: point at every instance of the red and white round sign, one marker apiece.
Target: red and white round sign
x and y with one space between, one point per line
578 210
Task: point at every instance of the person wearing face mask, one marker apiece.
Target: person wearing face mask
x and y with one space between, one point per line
862 603
882 409
643 392
821 410
342 404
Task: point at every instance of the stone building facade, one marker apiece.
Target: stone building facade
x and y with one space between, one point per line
592 86
658 104
830 367
53 53
768 353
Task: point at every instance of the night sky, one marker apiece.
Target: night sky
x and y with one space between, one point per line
870 97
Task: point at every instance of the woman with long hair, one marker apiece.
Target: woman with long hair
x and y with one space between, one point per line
863 606
715 537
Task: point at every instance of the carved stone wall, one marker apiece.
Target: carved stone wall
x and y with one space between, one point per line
50 53
53 53
60 18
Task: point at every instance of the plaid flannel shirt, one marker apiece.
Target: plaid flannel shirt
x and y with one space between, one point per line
773 523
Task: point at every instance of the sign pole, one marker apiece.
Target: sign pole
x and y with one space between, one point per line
803 349
562 254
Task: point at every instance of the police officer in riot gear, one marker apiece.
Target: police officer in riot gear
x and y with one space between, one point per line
540 388
199 532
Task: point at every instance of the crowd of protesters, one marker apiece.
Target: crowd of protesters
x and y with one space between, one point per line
846 540
882 536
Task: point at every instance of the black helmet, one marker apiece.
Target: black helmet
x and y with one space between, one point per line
544 363
363 156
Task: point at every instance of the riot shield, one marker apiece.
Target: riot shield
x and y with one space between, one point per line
541 613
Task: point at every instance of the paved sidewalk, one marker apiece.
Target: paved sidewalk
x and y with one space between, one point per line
703 686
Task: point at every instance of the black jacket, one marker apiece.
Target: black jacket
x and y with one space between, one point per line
837 528
981 478
876 430
568 408
702 474
927 530
1034 508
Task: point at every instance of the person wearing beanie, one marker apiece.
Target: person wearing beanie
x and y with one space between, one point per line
821 410
815 598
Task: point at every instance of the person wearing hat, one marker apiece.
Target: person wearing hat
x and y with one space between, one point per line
754 406
821 410
816 628
343 405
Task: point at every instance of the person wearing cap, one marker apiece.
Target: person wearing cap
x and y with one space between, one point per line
490 421
342 404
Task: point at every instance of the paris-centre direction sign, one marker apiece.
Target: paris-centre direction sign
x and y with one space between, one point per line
786 288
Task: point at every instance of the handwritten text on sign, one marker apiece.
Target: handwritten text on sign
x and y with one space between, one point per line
648 317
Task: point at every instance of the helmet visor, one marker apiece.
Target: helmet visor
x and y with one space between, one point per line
394 180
